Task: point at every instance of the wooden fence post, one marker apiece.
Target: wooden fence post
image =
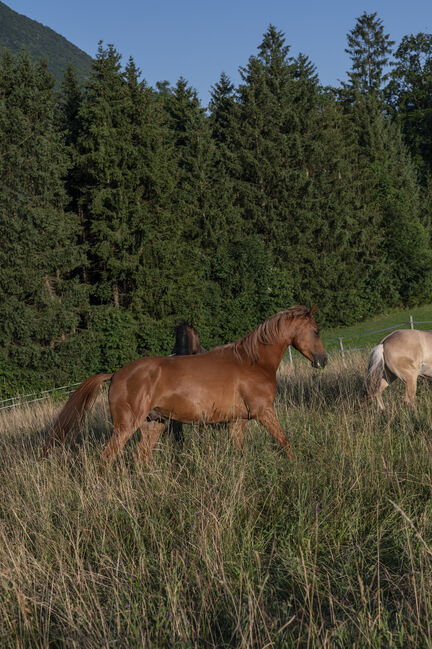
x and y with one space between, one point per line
290 354
342 353
411 322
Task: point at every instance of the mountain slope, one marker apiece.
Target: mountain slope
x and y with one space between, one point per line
18 32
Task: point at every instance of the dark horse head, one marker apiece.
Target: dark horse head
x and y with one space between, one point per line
187 339
187 342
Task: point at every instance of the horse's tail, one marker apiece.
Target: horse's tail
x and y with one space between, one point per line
72 413
375 370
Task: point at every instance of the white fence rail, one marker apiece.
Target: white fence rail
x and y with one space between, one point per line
64 390
24 399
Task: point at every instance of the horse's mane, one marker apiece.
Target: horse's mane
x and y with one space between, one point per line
266 333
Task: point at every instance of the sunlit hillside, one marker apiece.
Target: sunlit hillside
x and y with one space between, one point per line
18 32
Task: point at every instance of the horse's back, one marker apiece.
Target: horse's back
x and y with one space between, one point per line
408 350
210 369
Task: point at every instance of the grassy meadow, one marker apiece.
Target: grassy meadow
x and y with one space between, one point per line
358 335
211 548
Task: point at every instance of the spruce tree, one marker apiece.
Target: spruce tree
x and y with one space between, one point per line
143 270
222 107
41 300
104 146
204 202
69 103
275 138
405 237
168 281
390 191
369 49
262 142
410 95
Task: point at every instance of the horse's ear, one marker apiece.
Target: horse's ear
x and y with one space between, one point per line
192 323
312 311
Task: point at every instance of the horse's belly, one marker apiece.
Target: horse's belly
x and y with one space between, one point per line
190 410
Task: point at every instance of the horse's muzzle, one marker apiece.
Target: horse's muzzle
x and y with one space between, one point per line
320 360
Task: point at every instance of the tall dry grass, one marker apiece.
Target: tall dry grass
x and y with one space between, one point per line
209 548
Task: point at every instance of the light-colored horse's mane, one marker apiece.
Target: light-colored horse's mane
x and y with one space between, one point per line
266 333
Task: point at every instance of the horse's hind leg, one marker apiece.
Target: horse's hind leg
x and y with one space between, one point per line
124 426
383 385
150 433
177 430
115 444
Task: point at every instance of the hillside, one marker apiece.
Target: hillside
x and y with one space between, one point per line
18 31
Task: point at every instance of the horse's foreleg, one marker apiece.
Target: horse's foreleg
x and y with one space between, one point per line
237 430
150 433
269 420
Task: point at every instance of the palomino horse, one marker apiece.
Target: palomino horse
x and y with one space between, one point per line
232 383
404 354
187 341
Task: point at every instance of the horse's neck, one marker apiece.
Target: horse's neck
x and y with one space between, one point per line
271 355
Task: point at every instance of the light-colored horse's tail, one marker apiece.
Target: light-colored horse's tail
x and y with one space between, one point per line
375 371
74 410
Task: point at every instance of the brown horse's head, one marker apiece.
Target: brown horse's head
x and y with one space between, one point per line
187 339
308 342
194 340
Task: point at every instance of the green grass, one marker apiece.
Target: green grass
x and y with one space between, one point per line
209 548
355 336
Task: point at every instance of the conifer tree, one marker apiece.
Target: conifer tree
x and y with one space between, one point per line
204 201
369 49
331 252
405 237
222 107
137 249
69 103
274 139
168 281
389 191
41 301
262 140
104 146
410 95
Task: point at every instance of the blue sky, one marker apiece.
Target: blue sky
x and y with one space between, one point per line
199 39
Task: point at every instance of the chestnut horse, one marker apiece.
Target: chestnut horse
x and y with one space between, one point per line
404 354
232 383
